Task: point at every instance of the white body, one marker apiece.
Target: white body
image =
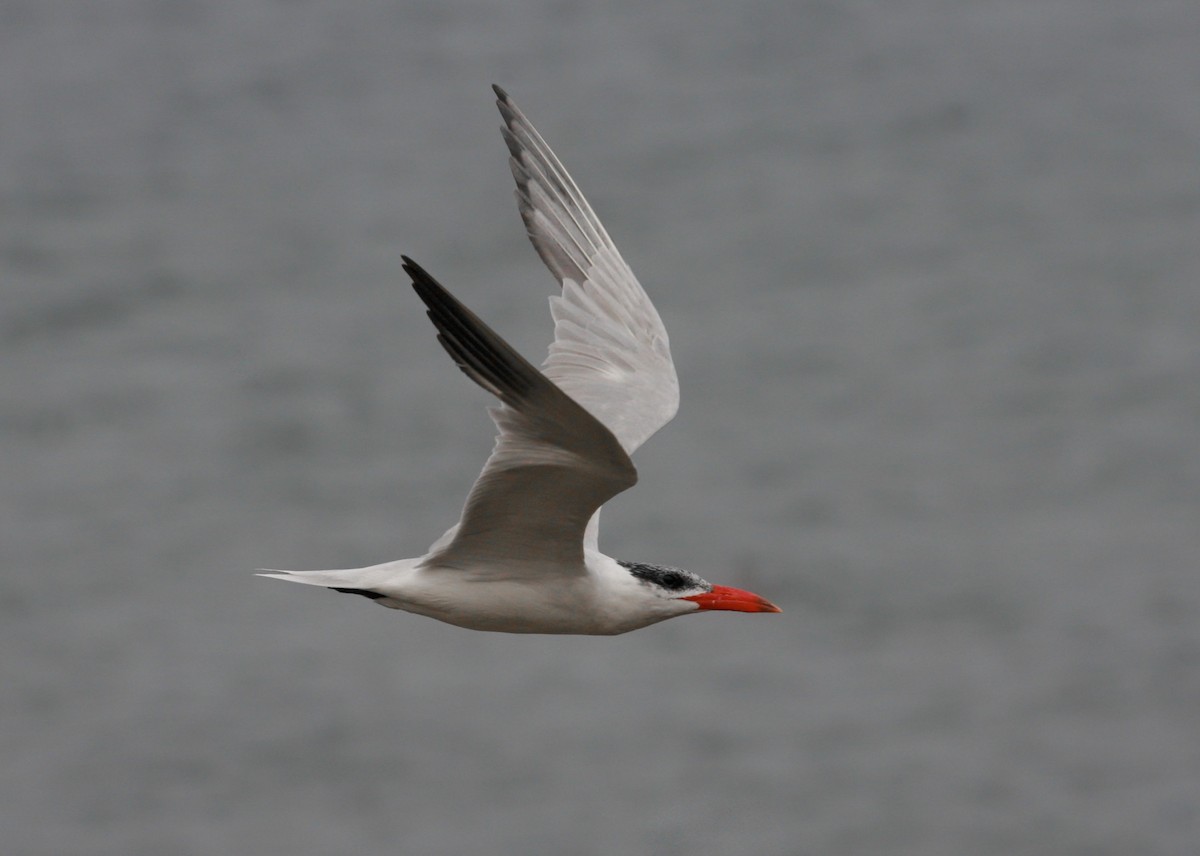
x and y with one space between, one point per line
603 601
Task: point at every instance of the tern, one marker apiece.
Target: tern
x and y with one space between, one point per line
524 556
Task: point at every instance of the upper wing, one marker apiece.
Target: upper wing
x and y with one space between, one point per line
610 350
553 464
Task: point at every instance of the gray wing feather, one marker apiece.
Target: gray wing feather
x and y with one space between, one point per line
610 352
554 464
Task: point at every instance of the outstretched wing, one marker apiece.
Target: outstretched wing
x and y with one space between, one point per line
610 350
554 464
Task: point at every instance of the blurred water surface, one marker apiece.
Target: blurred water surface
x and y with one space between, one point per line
932 274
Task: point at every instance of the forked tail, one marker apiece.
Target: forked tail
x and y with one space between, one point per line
343 581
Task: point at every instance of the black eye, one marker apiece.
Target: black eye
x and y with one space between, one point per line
671 579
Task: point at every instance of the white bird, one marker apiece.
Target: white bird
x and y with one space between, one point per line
524 557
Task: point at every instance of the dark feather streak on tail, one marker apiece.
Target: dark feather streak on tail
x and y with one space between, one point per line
373 595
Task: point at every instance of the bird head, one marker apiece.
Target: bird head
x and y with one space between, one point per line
677 584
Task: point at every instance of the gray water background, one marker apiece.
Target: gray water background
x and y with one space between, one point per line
932 275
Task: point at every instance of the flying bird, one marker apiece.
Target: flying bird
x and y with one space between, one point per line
524 556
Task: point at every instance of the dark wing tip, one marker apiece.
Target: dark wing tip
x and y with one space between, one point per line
432 293
509 111
477 349
428 289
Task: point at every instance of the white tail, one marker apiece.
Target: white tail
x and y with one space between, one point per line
363 581
328 579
